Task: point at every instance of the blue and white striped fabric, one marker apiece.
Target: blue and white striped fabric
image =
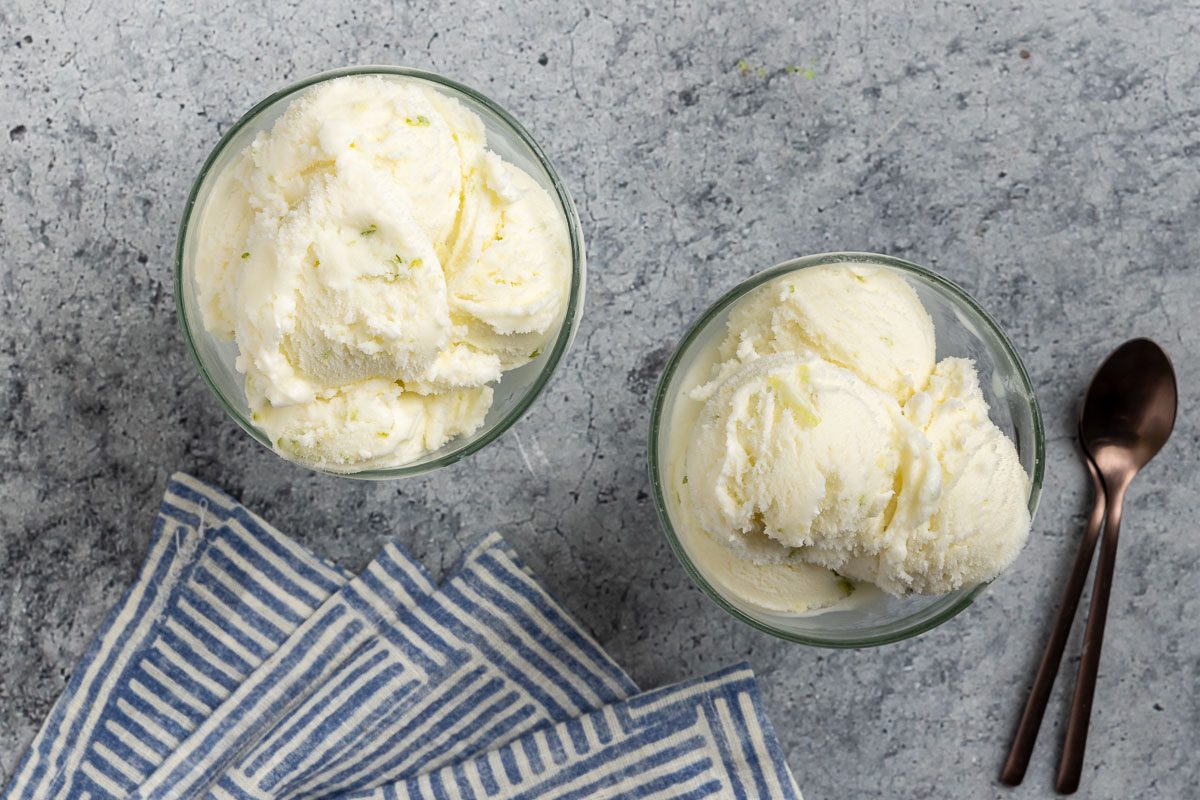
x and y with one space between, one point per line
495 657
319 662
218 593
701 739
241 666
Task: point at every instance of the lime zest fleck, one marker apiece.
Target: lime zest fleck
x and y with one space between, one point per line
743 67
685 479
421 121
382 434
367 231
535 354
245 255
416 263
396 259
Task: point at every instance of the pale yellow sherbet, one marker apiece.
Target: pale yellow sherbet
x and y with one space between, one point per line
378 268
825 436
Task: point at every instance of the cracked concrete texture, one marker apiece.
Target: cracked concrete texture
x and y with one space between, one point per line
1042 156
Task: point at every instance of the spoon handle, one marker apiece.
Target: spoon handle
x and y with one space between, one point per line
1021 748
1071 766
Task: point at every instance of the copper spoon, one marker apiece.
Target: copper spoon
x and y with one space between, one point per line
1127 418
1035 707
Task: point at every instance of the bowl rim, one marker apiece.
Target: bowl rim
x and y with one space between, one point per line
562 341
656 461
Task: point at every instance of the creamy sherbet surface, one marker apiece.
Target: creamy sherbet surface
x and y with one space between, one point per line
824 441
379 268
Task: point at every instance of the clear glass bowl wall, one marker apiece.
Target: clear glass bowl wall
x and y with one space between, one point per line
963 329
518 388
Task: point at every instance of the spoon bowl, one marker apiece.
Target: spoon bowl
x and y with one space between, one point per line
1130 410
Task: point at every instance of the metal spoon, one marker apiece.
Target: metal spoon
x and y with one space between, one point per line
1127 417
1035 707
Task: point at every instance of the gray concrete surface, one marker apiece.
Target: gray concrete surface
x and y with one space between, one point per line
1044 156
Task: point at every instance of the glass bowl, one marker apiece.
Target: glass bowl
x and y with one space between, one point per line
517 389
962 328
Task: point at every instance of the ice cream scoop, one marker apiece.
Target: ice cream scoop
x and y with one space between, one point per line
792 451
959 515
861 318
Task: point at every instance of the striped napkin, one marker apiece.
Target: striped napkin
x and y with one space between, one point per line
218 593
239 665
349 629
487 657
703 738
